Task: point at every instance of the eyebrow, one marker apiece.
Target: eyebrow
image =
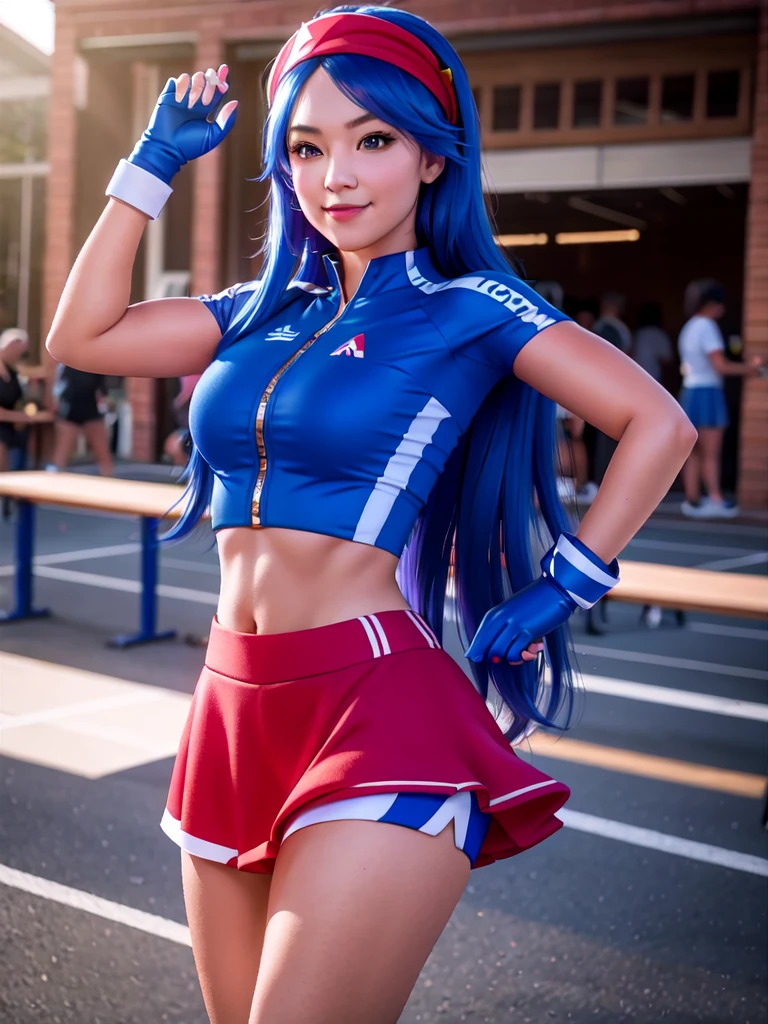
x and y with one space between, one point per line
308 129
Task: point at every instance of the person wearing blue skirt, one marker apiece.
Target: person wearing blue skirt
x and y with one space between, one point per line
703 366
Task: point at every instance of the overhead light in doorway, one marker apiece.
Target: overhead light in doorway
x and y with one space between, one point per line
588 237
510 240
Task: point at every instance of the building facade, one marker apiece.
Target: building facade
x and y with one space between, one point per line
24 91
626 144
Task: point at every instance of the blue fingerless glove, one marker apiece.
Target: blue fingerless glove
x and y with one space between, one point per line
176 134
573 577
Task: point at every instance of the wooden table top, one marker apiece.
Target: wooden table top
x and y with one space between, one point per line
724 593
107 494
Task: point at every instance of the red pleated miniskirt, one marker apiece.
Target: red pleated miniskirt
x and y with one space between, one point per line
281 722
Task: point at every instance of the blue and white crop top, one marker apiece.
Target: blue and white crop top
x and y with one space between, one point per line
341 424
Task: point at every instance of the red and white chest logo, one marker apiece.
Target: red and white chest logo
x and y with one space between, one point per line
354 347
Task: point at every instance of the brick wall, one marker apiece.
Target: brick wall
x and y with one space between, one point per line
60 205
220 21
753 476
206 201
264 19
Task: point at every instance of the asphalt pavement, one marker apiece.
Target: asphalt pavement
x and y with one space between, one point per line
650 904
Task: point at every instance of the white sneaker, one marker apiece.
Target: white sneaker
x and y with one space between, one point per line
719 509
692 511
587 494
565 489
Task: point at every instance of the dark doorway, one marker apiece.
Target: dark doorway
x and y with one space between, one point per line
684 233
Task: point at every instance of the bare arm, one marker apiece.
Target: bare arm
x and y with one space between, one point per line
726 368
95 329
606 388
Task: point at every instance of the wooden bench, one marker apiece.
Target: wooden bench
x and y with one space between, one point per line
148 501
696 590
666 586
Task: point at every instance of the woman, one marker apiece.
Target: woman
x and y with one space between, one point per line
79 397
14 344
361 395
703 366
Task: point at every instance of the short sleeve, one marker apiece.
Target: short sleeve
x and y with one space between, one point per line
228 303
491 316
710 338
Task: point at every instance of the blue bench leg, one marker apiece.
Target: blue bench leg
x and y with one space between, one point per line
148 628
25 547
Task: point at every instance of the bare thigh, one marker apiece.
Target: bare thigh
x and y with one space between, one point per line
65 439
227 914
710 442
355 908
98 441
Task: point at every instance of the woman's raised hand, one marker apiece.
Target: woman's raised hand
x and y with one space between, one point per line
182 126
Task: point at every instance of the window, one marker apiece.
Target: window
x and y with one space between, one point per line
506 108
677 98
723 93
631 101
587 101
546 105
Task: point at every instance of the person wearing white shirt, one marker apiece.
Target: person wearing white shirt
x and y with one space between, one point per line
703 366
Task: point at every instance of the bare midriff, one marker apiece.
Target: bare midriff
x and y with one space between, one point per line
278 581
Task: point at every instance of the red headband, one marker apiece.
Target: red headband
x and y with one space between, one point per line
368 36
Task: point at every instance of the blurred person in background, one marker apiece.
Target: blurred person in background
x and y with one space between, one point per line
611 328
572 451
585 318
651 346
609 324
703 366
178 444
14 344
80 403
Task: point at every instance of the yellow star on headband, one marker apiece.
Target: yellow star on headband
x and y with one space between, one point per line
448 73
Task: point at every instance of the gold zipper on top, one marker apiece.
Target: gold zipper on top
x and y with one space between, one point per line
261 413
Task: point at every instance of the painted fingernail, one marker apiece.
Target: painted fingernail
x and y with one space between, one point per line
495 660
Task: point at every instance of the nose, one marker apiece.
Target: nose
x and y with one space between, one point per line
339 175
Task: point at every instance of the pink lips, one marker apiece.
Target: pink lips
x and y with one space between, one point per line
342 212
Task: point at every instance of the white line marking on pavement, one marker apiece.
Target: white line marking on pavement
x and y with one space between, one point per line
181 563
756 558
676 698
678 546
664 843
79 900
643 658
589 823
90 579
742 632
61 557
728 529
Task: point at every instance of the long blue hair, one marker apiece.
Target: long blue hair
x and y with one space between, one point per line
480 519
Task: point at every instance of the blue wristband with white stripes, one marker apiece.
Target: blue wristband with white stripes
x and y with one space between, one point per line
578 571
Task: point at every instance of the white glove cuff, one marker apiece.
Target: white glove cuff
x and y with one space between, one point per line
139 189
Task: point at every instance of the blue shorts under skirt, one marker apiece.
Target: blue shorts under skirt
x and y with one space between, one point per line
425 812
705 407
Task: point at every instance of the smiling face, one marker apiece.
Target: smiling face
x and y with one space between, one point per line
356 177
